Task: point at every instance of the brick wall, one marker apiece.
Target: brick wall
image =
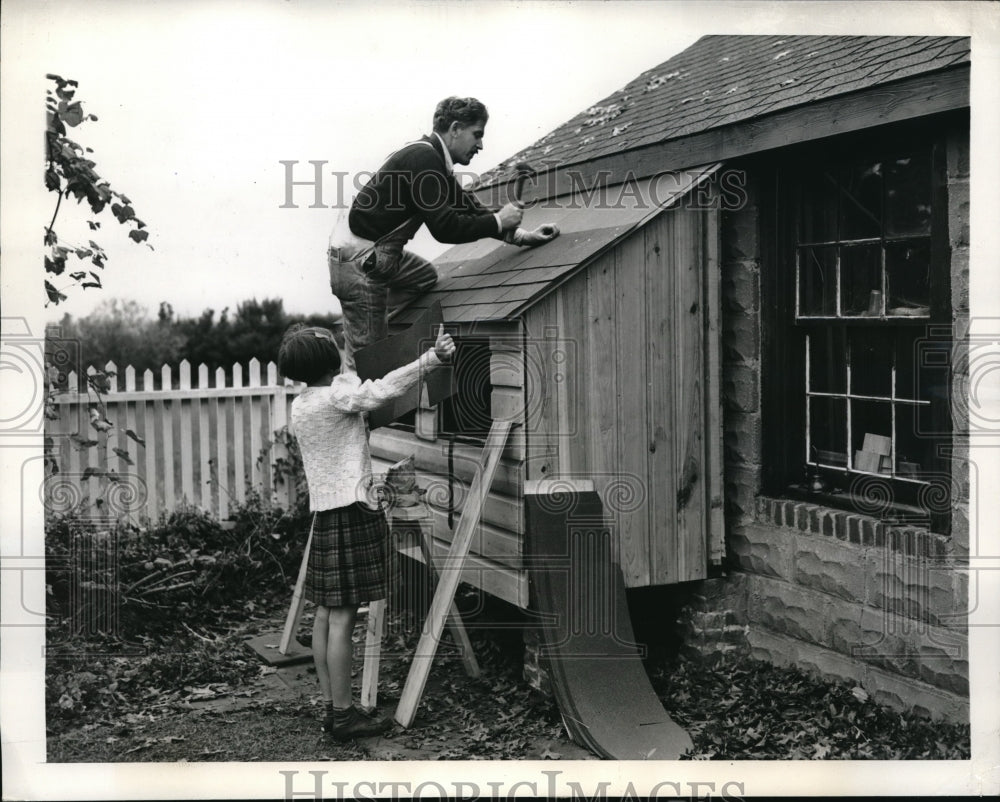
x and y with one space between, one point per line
840 594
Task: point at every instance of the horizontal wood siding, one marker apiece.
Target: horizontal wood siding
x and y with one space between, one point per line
624 401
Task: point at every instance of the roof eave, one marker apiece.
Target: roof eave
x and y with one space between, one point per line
909 98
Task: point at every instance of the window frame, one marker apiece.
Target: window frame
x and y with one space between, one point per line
784 356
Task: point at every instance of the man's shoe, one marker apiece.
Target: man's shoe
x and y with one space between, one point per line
355 724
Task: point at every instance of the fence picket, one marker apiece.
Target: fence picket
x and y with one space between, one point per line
238 490
256 446
279 420
186 436
148 434
165 413
221 483
204 450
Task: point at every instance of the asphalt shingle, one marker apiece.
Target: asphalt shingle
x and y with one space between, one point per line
721 80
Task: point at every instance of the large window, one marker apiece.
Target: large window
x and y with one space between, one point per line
861 291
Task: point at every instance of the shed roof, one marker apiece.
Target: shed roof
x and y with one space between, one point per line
721 80
491 280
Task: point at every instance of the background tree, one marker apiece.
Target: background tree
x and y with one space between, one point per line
69 171
124 332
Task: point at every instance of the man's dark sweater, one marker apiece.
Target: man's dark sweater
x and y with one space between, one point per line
414 182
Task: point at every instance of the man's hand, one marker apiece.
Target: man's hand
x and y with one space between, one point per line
510 217
541 235
445 346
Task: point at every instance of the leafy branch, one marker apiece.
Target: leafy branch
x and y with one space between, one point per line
70 171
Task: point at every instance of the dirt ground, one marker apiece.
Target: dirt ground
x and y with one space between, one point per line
276 716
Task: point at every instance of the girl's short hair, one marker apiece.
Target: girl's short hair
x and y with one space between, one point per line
465 110
307 353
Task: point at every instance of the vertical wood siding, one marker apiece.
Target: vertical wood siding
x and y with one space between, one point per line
637 407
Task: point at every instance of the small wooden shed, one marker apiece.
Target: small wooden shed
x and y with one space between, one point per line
752 336
599 346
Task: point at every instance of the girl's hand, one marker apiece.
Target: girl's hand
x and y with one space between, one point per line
445 346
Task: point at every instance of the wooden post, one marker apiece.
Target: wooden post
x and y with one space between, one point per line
373 653
451 574
298 600
454 622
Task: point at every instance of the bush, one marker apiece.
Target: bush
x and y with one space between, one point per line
124 581
117 589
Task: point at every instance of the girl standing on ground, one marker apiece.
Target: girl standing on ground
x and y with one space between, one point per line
347 561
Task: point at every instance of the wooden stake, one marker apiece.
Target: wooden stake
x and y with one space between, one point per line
298 600
454 622
373 653
451 574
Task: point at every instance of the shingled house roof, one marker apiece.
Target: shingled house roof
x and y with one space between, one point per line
721 80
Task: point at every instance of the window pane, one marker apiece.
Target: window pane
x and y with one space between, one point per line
907 267
828 361
908 195
828 431
861 277
913 449
861 201
871 435
818 281
934 369
818 217
871 363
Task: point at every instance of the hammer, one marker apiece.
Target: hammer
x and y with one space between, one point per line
522 172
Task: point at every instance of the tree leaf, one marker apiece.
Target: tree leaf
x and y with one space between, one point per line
121 452
52 182
93 225
134 436
90 472
138 235
54 295
72 115
79 275
80 443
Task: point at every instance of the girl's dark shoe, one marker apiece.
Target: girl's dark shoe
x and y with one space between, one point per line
354 724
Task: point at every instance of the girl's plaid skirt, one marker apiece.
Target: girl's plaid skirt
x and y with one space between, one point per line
348 558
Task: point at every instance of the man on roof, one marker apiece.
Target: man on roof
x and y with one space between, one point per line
370 272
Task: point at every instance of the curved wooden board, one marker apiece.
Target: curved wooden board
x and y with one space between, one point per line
601 687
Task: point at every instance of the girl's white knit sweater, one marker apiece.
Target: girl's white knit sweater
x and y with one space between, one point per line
331 431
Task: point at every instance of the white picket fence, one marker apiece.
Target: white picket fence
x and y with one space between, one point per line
207 444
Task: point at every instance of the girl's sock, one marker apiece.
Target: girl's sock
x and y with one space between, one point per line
340 715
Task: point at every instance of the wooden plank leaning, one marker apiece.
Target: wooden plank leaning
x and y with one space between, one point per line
298 600
450 574
454 621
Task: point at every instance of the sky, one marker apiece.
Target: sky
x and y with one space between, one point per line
198 103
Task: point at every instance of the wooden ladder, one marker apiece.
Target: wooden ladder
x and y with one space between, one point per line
450 574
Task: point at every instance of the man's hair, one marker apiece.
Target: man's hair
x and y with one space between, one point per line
308 352
465 110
